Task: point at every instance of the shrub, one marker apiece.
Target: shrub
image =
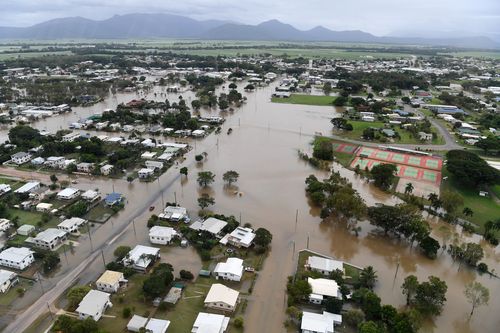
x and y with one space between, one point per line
238 322
126 312
186 275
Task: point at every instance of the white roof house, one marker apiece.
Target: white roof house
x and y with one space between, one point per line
93 305
5 224
25 229
136 323
319 323
145 173
90 195
211 225
232 269
324 265
210 323
157 325
28 187
72 224
140 257
7 280
50 238
220 297
161 235
174 213
17 257
239 237
4 188
68 193
43 207
322 288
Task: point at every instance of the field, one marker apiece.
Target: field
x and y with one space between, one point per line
8 56
306 100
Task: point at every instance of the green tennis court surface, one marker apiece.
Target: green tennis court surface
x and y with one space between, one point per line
430 176
414 160
410 172
383 155
398 158
432 164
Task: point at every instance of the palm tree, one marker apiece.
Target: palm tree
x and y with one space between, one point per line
368 277
435 201
467 212
409 188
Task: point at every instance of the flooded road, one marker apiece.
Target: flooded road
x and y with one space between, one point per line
263 150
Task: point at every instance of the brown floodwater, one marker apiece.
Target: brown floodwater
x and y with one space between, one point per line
263 150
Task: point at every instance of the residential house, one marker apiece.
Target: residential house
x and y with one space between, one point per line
44 207
26 229
17 257
157 325
148 155
68 194
55 162
174 213
220 297
210 323
199 133
21 158
50 238
425 136
106 169
136 323
7 280
4 188
161 235
145 173
113 199
71 225
93 305
140 257
232 269
38 161
211 225
322 289
85 167
90 195
5 225
239 237
110 281
155 165
319 323
70 137
28 188
323 265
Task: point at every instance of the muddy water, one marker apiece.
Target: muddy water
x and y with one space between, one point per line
263 149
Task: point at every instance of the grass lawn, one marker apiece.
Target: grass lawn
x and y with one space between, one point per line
9 297
29 217
484 208
496 190
14 184
358 128
99 213
343 158
306 100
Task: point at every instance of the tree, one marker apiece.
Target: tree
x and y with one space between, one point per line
186 275
298 290
130 179
232 85
198 158
249 87
126 312
327 88
477 295
230 177
368 134
238 322
354 317
263 237
470 169
121 252
429 246
205 178
371 306
50 261
431 296
368 277
76 294
323 149
339 122
467 212
383 175
340 101
183 171
71 168
78 209
205 200
333 305
409 188
409 287
473 253
435 201
488 144
53 178
451 201
196 104
154 286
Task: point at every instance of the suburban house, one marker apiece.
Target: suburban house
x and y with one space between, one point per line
322 289
136 323
26 229
323 265
232 269
50 238
140 257
43 207
56 162
90 195
71 225
93 305
106 169
38 161
174 213
20 158
4 188
17 257
151 325
5 224
28 188
155 165
68 194
211 225
221 297
7 280
113 199
161 235
70 137
110 281
239 237
145 173
425 136
85 167
148 155
210 323
319 323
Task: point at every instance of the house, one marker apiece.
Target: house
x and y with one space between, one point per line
17 257
5 225
220 297
71 225
38 194
90 195
56 162
161 235
140 257
324 265
155 165
113 199
210 323
50 238
319 323
136 323
368 118
20 158
239 237
145 173
44 207
93 305
157 325
106 169
70 137
7 280
38 161
174 213
28 188
68 193
85 167
388 132
26 229
425 136
110 281
4 188
199 133
148 155
232 269
211 225
322 289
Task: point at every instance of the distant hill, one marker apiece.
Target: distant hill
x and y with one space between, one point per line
175 26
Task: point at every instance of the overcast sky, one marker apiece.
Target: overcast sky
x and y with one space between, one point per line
380 17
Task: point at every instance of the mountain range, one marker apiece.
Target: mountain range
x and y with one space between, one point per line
175 26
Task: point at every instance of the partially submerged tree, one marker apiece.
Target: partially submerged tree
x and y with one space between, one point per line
477 295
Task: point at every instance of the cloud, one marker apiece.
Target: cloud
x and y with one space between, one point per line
379 17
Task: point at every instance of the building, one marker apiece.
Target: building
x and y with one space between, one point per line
71 225
113 199
211 225
90 195
4 188
28 188
174 213
17 257
140 257
110 281
26 229
220 297
93 305
5 224
70 137
161 235
7 280
322 289
145 173
56 162
44 207
50 238
136 323
425 136
319 323
155 165
68 194
210 323
232 269
20 158
157 325
323 265
239 237
106 169
85 167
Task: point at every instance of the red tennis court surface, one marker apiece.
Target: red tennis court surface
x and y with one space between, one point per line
344 147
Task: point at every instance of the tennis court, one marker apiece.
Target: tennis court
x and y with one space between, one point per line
344 147
426 162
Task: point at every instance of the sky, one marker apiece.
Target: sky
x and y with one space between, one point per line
380 17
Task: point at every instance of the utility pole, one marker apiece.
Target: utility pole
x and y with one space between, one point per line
307 247
135 233
90 237
103 260
175 197
50 311
296 219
